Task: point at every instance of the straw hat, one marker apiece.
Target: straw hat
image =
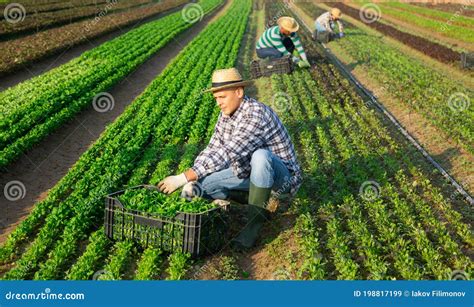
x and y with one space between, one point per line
227 78
336 13
288 23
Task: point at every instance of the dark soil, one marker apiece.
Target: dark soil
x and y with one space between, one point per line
439 18
69 52
449 7
431 49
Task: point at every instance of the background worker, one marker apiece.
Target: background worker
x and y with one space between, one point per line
250 150
281 40
325 23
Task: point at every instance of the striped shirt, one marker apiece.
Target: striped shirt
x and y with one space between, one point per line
252 126
327 22
272 38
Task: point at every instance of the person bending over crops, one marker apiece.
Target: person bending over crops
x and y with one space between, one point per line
281 40
325 23
250 154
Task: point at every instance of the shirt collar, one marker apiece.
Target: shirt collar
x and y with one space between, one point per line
240 109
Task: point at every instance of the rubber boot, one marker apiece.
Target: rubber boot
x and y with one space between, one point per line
241 197
257 216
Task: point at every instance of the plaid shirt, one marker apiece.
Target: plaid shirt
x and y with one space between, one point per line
252 126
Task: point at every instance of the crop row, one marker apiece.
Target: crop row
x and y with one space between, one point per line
430 48
445 103
384 231
27 49
33 8
37 22
464 10
455 31
33 109
345 234
460 20
171 116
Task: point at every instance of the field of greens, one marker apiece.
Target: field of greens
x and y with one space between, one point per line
141 146
395 229
443 102
370 207
458 27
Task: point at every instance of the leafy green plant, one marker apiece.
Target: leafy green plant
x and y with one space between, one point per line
178 266
149 266
153 201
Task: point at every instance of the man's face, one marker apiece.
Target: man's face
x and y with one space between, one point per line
229 100
284 32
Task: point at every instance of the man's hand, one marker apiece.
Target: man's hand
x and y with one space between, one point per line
172 183
189 190
303 64
341 34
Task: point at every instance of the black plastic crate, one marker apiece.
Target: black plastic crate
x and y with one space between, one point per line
194 233
266 68
467 60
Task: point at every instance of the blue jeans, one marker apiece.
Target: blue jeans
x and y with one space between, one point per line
273 53
267 171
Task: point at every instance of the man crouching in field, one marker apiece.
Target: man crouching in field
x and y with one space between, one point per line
250 150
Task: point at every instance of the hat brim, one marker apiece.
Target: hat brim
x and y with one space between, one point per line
228 86
295 29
